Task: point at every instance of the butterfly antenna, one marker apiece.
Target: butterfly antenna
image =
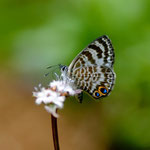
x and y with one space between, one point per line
60 66
46 74
50 68
57 76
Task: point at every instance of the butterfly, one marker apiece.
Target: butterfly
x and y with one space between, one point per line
92 69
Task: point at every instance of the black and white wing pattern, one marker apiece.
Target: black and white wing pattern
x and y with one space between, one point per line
92 68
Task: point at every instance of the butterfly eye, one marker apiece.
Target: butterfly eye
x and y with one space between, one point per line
103 90
96 94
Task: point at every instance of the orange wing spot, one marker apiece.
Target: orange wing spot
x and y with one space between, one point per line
102 90
96 94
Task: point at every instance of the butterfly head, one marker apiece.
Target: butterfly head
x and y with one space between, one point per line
102 91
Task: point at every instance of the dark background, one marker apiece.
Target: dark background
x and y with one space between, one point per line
37 33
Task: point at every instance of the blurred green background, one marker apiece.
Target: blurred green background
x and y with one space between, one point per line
37 33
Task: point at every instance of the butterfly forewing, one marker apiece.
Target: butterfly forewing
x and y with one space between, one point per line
93 67
100 52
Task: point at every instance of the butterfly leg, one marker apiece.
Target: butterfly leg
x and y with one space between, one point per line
80 97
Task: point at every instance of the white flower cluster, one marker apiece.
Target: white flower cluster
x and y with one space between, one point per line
54 96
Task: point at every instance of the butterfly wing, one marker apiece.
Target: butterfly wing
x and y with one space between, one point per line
90 78
100 53
90 67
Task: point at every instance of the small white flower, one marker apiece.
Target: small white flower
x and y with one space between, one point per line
54 96
52 109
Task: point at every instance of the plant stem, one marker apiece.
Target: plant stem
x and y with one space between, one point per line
55 132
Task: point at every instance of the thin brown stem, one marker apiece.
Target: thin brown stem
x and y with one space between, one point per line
55 132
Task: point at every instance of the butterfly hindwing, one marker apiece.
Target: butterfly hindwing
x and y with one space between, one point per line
93 77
